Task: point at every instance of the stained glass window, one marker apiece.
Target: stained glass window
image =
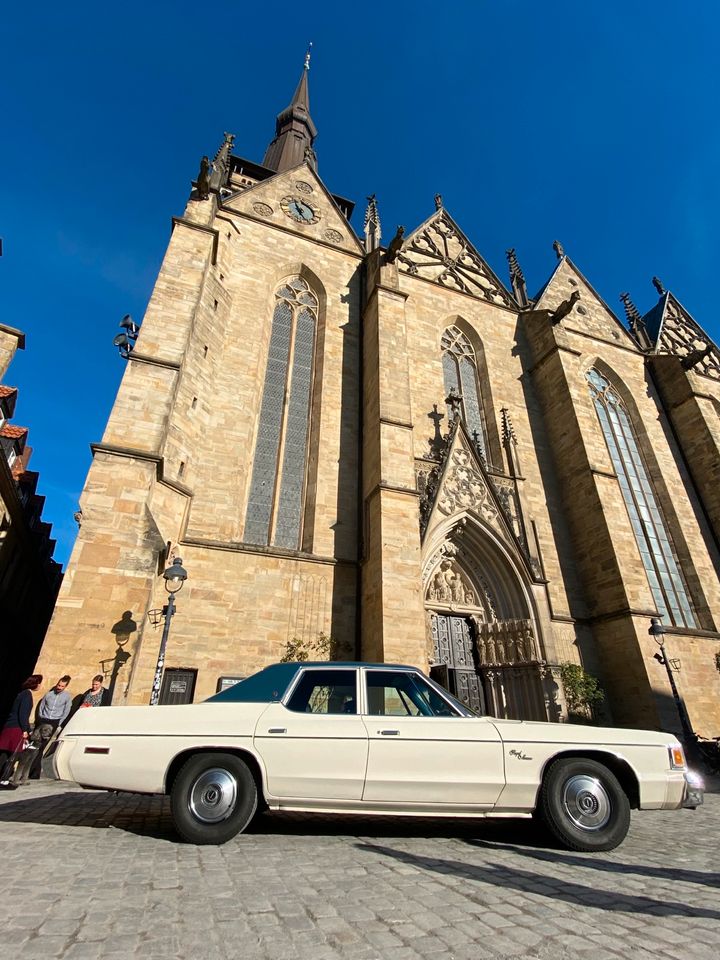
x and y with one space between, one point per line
460 371
646 518
277 486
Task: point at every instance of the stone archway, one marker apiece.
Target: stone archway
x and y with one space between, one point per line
481 639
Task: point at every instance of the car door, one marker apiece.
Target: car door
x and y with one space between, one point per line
422 750
314 744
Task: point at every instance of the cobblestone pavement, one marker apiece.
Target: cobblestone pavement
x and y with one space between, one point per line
86 875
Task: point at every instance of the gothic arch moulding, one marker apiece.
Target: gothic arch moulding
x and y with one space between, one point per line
468 569
651 509
446 338
278 510
484 561
299 268
593 362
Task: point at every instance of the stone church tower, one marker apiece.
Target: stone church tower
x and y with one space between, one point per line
387 446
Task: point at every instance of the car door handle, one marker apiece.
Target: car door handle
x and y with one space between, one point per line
277 730
389 733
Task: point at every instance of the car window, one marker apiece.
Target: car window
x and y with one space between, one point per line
325 691
395 694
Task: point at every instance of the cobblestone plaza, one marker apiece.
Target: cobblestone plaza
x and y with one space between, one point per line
89 875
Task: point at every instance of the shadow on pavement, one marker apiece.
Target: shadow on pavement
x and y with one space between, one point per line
143 815
522 831
674 874
549 886
150 816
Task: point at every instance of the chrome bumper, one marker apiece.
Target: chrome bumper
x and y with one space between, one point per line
694 790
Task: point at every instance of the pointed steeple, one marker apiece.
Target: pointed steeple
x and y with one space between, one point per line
373 232
635 322
294 130
517 278
221 163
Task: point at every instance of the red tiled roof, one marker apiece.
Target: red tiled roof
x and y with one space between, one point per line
13 432
7 391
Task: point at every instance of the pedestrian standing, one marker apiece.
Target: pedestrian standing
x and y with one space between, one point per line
97 695
16 730
51 713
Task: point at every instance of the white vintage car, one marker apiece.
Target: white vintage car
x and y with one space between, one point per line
371 739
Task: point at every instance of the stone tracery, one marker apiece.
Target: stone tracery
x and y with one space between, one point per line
441 253
682 336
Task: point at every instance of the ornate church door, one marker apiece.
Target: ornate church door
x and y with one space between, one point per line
453 645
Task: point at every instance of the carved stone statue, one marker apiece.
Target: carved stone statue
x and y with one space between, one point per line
657 283
454 401
395 246
695 357
565 307
457 588
203 180
558 248
441 586
438 201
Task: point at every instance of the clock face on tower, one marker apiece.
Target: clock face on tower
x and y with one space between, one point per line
299 210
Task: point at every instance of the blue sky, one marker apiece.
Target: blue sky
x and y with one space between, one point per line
593 123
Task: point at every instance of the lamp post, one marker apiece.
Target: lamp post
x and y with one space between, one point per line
175 576
657 632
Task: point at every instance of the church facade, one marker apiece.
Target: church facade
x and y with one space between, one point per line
384 452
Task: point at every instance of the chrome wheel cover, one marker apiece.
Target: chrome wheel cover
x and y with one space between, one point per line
213 795
586 802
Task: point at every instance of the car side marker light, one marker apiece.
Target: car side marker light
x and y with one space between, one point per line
677 757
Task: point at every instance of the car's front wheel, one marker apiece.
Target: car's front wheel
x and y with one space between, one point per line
214 797
584 805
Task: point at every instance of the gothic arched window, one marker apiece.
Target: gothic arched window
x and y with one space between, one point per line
277 488
460 371
648 523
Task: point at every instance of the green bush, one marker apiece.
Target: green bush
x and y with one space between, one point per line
582 692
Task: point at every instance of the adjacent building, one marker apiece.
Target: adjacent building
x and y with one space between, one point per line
29 577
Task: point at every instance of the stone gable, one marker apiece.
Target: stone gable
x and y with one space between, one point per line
273 202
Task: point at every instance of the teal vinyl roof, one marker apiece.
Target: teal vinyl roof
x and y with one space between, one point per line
271 683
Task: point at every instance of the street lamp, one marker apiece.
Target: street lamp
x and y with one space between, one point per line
657 632
175 576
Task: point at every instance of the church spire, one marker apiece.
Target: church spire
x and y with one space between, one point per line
294 130
373 232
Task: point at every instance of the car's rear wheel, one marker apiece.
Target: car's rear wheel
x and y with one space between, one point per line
214 797
584 806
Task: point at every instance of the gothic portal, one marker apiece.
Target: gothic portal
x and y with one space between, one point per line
386 445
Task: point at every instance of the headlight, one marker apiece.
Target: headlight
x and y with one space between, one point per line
677 757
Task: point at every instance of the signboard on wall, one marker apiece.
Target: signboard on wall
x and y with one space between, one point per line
178 685
225 682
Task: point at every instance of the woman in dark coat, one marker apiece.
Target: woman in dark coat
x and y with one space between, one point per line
17 725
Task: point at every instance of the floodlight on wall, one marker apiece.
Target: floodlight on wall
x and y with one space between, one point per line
126 341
